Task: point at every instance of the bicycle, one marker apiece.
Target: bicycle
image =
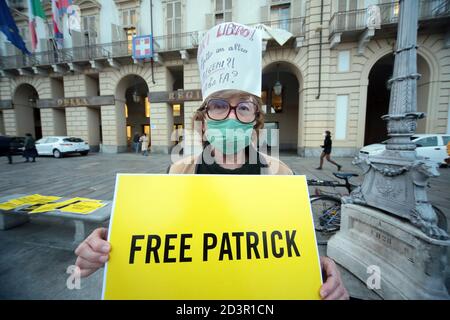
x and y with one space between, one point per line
326 207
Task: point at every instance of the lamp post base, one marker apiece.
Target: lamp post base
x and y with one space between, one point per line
410 264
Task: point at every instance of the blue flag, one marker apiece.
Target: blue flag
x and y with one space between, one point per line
9 28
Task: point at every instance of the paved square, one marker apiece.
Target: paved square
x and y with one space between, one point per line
34 257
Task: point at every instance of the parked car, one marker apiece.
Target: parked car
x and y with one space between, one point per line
17 145
431 146
60 146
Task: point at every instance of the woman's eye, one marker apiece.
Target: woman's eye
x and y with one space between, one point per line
245 107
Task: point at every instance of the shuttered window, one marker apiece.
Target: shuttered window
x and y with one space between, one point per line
223 11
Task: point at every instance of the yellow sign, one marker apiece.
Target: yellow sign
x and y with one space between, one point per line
212 237
27 200
83 207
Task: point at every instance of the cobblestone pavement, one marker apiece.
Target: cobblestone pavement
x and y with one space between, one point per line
34 257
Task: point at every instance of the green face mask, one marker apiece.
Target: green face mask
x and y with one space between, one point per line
229 136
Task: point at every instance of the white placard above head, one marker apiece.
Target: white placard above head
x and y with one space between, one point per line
229 58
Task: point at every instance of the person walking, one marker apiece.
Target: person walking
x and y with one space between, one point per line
327 151
30 148
144 144
136 143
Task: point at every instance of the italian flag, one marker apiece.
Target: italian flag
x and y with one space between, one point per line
34 10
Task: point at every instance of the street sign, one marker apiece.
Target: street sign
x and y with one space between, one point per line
142 47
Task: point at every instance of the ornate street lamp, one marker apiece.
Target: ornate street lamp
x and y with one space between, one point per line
278 87
396 180
135 94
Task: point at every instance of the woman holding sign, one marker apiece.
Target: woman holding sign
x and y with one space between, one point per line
230 120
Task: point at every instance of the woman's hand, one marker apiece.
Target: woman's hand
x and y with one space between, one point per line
333 288
93 252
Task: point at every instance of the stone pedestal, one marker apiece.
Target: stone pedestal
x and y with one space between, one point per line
411 264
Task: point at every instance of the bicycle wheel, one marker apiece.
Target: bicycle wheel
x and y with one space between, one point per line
326 211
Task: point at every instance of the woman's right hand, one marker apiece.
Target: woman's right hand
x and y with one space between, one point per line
93 252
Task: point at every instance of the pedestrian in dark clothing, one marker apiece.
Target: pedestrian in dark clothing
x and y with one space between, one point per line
136 143
30 148
5 148
327 151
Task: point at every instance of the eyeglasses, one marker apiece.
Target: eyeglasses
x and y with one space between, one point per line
219 109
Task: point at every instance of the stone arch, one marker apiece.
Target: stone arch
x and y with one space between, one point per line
432 95
432 98
137 120
27 116
39 84
289 69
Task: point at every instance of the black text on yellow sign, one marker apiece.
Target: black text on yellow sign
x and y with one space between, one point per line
172 248
211 237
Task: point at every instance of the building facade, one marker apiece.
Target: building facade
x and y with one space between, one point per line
333 72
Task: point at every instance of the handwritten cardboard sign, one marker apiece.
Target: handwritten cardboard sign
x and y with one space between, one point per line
229 58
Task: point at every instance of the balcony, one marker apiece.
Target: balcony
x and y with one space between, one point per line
99 56
352 25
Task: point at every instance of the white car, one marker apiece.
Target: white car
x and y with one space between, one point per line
59 146
431 146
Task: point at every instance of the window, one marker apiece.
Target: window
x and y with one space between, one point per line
427 142
129 17
223 12
344 61
89 25
146 129
446 139
341 116
130 33
279 16
277 102
173 24
129 132
126 111
147 108
72 140
271 103
176 110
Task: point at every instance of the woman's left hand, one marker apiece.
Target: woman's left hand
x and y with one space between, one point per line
332 288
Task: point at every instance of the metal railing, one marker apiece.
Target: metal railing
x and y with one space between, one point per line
357 19
173 42
166 43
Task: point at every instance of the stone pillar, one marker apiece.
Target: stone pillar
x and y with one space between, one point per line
161 116
9 120
114 138
84 122
53 122
77 122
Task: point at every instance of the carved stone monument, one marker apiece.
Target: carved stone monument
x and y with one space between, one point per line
390 223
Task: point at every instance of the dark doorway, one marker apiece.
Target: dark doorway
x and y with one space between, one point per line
378 95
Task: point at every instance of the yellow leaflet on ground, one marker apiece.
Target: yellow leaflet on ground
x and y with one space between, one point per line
85 199
84 207
33 199
8 206
52 206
